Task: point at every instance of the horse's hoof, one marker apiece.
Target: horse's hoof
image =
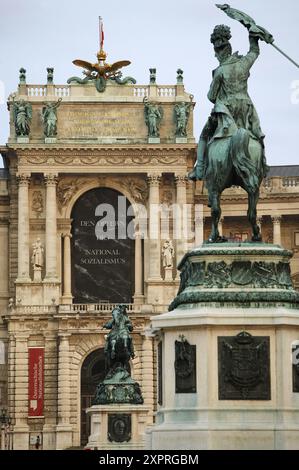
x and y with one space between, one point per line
221 240
256 238
195 175
217 240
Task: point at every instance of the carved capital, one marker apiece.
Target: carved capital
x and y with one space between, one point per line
276 219
67 235
23 179
259 220
50 179
181 180
154 180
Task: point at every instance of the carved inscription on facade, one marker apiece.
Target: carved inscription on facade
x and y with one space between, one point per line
106 121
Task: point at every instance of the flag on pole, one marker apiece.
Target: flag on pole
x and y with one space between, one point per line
101 32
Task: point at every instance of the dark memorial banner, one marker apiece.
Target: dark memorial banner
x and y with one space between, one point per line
36 381
102 252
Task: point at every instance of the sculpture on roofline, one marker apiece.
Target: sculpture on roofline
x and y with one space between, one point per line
22 113
49 114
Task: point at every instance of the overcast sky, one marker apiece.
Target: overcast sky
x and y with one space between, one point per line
165 34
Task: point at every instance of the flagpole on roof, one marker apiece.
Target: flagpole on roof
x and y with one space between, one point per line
101 33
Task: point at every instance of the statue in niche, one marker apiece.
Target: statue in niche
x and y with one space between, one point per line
49 114
181 115
153 114
37 258
22 112
37 203
168 254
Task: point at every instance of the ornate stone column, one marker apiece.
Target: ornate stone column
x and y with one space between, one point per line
154 228
64 434
23 228
147 372
180 218
67 288
64 398
276 220
20 392
138 295
51 227
4 236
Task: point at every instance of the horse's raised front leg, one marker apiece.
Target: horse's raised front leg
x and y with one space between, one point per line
252 203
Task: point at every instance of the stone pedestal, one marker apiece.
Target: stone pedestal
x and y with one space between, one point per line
225 368
168 273
181 140
154 140
50 140
117 426
23 140
37 274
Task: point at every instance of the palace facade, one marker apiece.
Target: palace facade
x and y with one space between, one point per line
63 270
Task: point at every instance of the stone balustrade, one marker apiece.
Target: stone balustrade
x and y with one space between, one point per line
65 91
272 185
95 308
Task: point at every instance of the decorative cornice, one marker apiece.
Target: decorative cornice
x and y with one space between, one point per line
103 149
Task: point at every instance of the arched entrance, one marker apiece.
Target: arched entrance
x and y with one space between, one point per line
92 372
102 249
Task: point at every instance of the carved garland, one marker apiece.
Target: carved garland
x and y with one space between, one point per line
135 187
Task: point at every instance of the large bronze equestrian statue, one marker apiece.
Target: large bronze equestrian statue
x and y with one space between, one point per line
231 146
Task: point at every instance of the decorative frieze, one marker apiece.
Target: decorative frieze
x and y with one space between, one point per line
123 159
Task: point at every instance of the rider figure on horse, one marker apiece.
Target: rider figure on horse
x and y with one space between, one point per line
228 92
231 149
120 327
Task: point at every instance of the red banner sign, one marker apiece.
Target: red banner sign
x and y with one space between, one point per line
36 381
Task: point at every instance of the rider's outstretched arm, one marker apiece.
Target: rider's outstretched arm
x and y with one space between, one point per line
254 50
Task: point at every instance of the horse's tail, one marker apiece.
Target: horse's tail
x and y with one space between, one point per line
241 160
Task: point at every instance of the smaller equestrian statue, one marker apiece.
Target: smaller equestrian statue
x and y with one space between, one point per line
118 386
119 345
